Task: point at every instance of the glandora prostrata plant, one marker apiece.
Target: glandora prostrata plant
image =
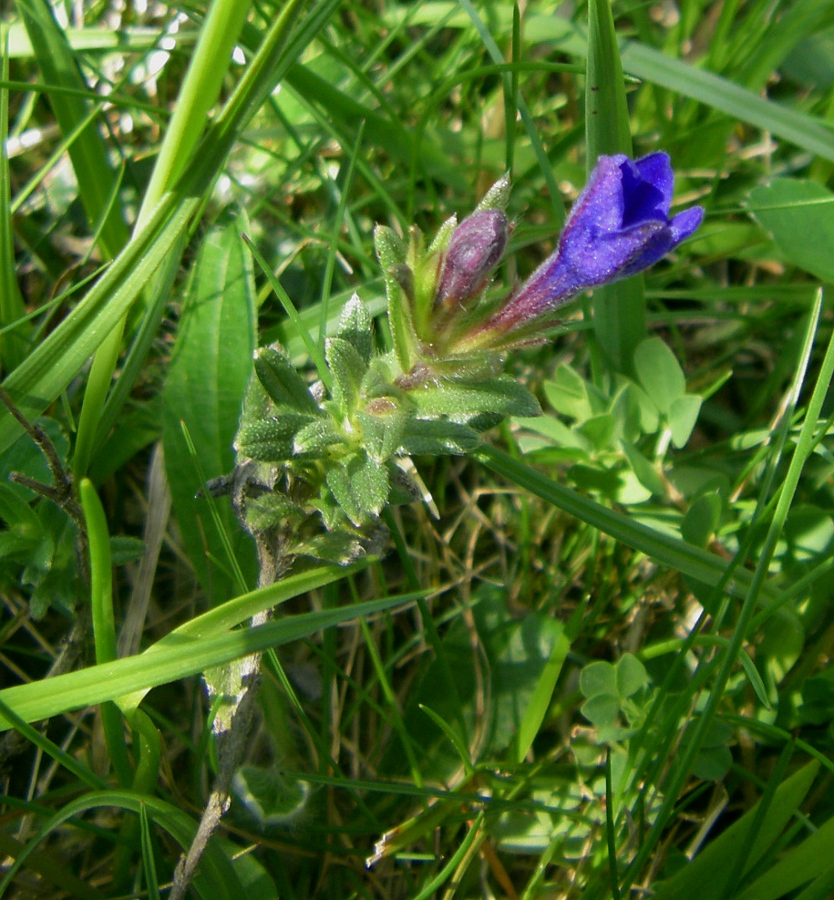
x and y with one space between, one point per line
317 468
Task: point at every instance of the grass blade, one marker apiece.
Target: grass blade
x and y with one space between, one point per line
13 340
39 380
670 551
179 657
96 179
619 309
737 102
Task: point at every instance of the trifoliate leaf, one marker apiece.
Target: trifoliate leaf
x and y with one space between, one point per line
631 675
702 519
646 473
625 409
598 678
683 414
598 431
571 395
601 710
659 373
648 419
281 381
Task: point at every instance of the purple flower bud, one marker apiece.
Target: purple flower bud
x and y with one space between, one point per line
618 226
474 250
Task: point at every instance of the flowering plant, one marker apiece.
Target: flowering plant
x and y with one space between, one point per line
618 226
321 466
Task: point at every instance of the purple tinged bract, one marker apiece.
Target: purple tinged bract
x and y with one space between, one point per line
475 249
618 226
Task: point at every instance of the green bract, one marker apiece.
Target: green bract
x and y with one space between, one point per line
437 292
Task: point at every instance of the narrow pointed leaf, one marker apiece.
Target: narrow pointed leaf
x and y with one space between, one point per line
282 382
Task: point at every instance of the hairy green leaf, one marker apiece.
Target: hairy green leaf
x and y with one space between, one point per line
356 327
348 368
271 440
437 437
465 403
282 382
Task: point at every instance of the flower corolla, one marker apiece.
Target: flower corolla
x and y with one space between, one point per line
618 226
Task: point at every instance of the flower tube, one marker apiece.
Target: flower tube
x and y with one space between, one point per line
618 226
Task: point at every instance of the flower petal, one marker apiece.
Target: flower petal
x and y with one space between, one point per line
685 223
642 199
600 205
653 250
618 226
601 257
657 168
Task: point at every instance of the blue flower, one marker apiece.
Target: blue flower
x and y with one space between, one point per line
618 226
